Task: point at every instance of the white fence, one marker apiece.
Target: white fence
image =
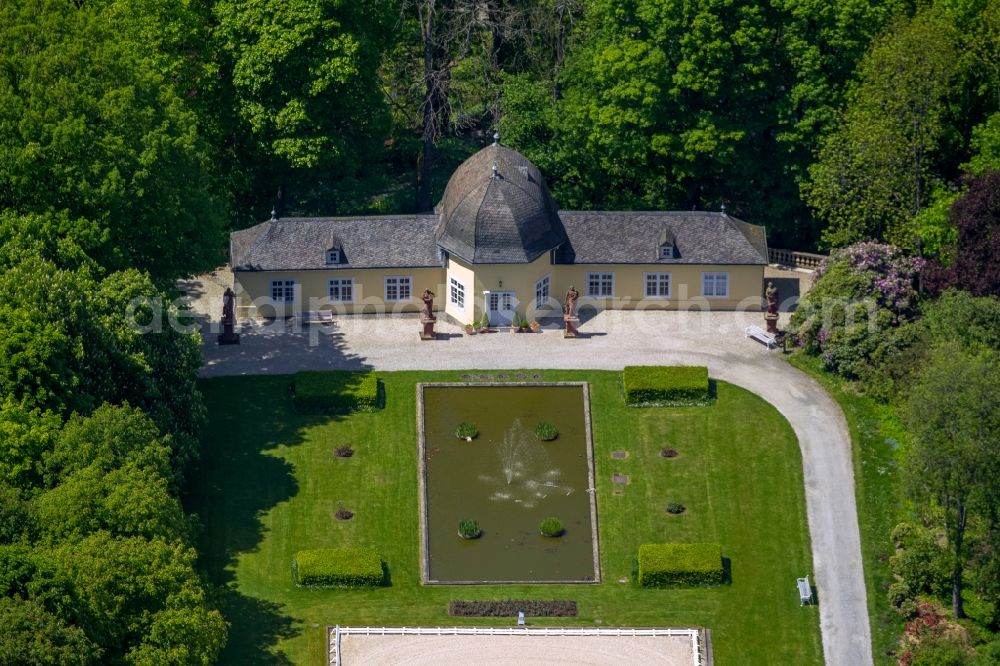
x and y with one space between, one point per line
698 656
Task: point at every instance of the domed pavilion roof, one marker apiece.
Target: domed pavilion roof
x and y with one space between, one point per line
497 210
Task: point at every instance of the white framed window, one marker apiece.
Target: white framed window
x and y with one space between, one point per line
333 256
283 291
666 252
600 284
398 288
658 285
542 292
342 290
715 285
456 293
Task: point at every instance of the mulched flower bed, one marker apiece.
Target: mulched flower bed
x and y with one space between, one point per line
510 608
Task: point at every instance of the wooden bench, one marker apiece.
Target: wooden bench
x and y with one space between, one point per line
315 317
805 591
757 333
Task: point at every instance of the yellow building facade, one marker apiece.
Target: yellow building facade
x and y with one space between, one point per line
498 246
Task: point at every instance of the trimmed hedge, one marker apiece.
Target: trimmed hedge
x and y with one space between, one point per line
338 567
665 385
335 392
685 564
510 607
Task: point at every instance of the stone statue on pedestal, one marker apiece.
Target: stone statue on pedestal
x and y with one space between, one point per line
771 317
569 313
228 335
427 318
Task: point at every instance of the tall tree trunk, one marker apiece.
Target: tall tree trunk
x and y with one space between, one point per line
956 580
426 162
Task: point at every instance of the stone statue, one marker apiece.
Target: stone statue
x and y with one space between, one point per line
571 296
569 313
427 318
428 299
771 317
228 335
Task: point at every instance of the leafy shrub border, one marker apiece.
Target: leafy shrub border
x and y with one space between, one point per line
680 564
338 567
665 386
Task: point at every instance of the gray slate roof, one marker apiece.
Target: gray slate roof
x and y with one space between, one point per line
300 243
498 217
700 237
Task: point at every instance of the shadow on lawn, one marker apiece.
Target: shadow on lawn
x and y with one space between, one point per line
236 482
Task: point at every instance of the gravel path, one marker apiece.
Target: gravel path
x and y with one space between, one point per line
612 340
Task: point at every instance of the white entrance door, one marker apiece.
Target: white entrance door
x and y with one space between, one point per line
500 306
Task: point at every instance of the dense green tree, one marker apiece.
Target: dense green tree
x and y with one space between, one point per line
15 523
25 436
128 501
127 584
90 126
970 321
873 173
953 465
304 75
110 438
33 636
694 104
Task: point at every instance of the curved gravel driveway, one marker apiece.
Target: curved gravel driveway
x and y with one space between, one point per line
612 340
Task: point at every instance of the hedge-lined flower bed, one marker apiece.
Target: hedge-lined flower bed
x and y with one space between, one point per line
665 385
510 608
680 564
338 567
335 392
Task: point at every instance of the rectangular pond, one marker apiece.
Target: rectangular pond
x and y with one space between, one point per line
508 481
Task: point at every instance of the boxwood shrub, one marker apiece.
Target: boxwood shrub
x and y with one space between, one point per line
665 385
338 567
335 392
680 564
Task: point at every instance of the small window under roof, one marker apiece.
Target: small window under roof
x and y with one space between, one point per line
665 246
333 254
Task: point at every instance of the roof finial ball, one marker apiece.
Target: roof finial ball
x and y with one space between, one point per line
496 138
274 215
723 210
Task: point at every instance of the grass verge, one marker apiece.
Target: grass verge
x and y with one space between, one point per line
268 485
876 435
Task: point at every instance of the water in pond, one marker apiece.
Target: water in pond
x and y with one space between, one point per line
508 481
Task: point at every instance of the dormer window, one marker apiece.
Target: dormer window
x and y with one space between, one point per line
665 245
333 256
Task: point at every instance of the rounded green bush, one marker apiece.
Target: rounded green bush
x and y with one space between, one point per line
466 430
469 529
546 432
551 527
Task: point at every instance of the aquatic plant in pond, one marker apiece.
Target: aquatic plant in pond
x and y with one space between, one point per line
546 432
469 529
551 527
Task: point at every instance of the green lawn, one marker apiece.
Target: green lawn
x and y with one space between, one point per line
875 437
268 485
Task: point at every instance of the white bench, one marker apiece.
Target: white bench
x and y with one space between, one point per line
757 333
315 317
805 591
